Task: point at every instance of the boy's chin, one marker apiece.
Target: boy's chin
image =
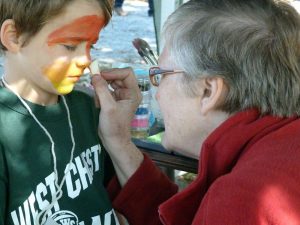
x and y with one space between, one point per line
64 89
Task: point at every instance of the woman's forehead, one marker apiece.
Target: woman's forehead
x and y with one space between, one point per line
165 59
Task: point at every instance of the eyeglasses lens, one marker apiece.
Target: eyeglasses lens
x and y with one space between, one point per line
157 79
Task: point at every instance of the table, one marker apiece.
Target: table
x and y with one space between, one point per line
166 159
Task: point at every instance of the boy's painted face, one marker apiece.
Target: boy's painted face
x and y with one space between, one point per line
63 72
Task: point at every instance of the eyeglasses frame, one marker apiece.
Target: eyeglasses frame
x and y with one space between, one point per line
155 70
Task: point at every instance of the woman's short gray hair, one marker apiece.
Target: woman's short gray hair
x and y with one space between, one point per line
252 44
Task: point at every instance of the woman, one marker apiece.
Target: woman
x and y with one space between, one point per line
229 93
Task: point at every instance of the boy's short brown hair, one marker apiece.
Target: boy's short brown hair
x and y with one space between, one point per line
31 15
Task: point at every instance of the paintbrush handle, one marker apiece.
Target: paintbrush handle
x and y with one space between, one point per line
146 54
153 61
154 55
151 54
145 58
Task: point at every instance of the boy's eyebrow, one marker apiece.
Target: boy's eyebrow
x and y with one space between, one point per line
71 40
86 28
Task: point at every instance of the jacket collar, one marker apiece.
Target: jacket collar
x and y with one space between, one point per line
219 154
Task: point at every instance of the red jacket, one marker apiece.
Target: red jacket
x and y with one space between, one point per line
249 174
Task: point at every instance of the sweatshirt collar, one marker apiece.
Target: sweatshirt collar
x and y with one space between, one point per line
44 113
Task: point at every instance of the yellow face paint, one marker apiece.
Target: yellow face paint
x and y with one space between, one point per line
64 73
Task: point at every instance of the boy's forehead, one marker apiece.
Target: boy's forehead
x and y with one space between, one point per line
82 28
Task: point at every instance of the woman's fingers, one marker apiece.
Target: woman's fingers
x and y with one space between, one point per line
122 77
102 91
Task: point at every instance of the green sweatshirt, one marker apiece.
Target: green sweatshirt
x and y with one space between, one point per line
27 165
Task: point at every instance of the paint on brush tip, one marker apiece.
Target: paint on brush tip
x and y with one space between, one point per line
94 68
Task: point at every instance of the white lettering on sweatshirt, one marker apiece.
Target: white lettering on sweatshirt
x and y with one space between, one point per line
79 178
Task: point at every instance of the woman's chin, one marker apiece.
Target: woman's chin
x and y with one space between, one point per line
171 146
164 142
167 144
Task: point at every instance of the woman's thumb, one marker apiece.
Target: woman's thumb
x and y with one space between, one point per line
102 92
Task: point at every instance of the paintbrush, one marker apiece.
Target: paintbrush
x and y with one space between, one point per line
147 46
145 51
145 58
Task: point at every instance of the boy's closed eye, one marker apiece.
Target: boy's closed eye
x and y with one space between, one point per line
69 47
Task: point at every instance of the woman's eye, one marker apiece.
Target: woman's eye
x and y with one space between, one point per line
70 47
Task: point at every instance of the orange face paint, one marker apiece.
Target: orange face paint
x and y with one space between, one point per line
85 29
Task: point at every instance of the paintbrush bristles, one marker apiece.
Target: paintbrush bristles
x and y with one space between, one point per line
145 45
145 51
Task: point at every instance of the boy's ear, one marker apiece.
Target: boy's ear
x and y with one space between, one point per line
9 36
213 94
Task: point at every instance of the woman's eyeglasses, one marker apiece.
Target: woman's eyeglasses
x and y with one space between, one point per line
156 73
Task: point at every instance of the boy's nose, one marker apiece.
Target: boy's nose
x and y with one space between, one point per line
83 61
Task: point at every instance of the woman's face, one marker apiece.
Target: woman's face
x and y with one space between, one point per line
181 112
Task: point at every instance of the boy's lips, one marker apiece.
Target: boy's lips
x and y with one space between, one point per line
74 77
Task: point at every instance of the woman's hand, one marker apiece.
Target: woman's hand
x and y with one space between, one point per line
117 111
118 106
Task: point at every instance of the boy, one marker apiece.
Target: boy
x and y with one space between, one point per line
51 162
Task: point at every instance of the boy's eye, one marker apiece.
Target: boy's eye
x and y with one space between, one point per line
70 47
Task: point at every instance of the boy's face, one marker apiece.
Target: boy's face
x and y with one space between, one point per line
55 58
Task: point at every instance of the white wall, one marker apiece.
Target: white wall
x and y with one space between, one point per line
163 8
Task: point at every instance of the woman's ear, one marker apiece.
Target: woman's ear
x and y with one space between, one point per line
9 36
213 94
